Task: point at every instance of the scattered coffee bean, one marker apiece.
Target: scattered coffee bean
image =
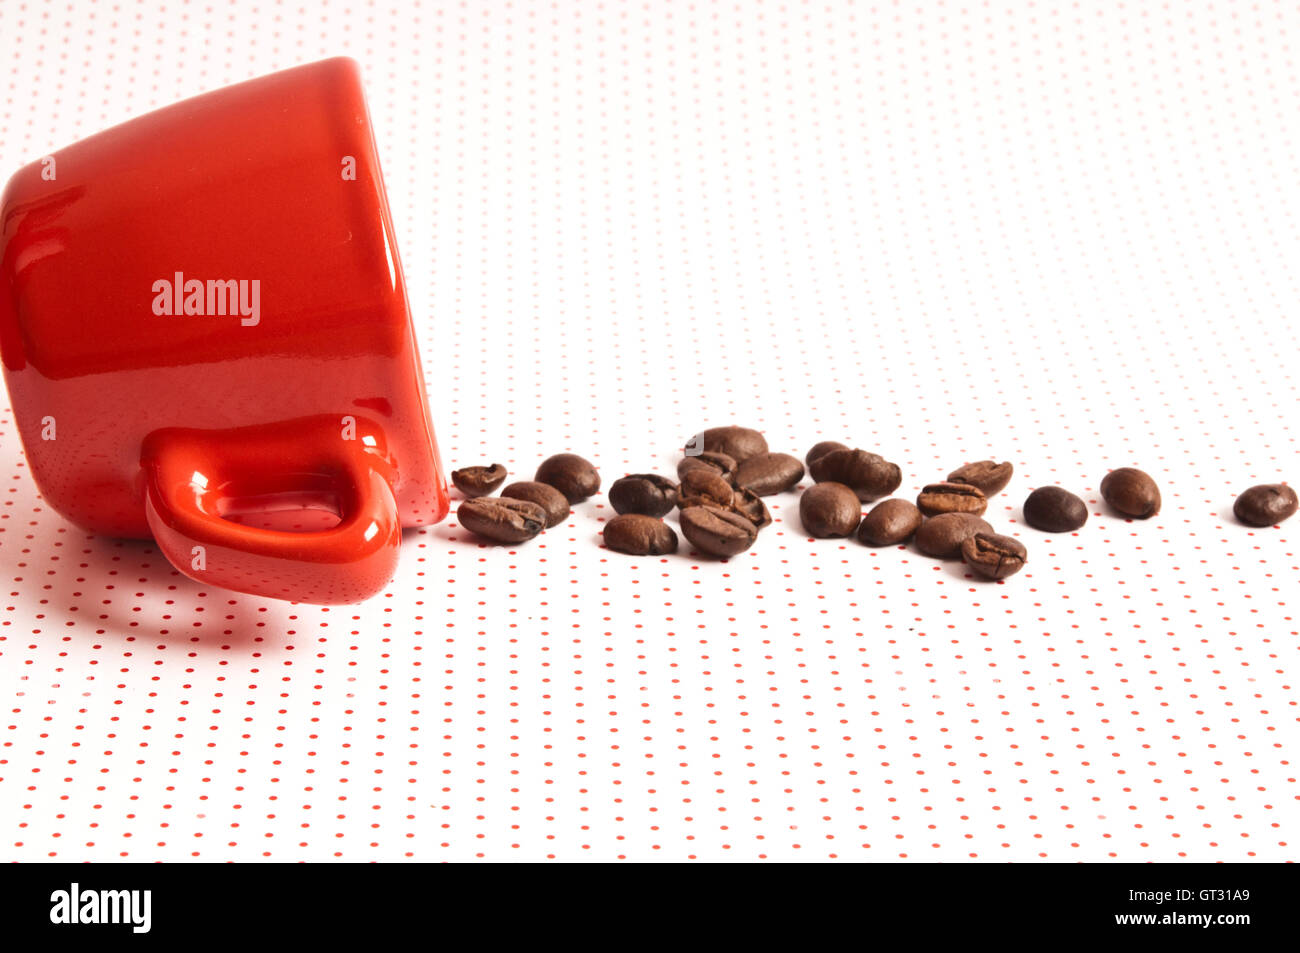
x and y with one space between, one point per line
769 473
719 463
704 486
544 495
941 536
823 448
478 481
639 535
716 531
869 475
1266 505
1055 510
502 520
1131 492
739 443
993 556
569 473
992 478
889 523
829 509
748 504
951 498
646 493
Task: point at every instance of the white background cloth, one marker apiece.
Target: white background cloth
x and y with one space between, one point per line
1059 234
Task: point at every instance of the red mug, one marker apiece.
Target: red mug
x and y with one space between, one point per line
203 318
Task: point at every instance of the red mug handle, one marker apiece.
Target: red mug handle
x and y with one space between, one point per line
192 477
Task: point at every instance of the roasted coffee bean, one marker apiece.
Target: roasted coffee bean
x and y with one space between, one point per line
769 473
502 520
704 486
569 473
1266 505
547 497
478 481
951 498
739 443
639 535
869 475
941 536
889 523
1055 510
823 448
719 463
716 531
992 478
748 504
993 556
1131 492
829 509
646 493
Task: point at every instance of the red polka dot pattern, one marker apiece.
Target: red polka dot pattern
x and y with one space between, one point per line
1057 234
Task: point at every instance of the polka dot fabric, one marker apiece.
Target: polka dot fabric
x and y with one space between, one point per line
1060 234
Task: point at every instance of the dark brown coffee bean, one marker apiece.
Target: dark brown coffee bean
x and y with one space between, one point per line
639 535
716 531
889 523
941 536
992 478
478 481
719 463
1055 510
951 498
747 503
739 443
704 486
547 497
993 556
569 473
769 473
823 448
869 475
829 509
1266 505
502 520
1131 492
646 493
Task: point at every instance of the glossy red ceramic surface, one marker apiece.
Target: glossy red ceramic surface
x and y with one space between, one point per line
316 394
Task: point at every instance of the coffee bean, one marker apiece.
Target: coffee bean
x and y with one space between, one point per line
502 520
941 536
1266 505
1055 510
869 475
823 448
719 463
569 473
716 531
1131 492
478 481
739 443
889 523
639 535
951 498
769 473
748 504
992 478
646 493
993 556
547 497
704 486
829 509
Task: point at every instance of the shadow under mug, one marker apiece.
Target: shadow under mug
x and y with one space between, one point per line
202 312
